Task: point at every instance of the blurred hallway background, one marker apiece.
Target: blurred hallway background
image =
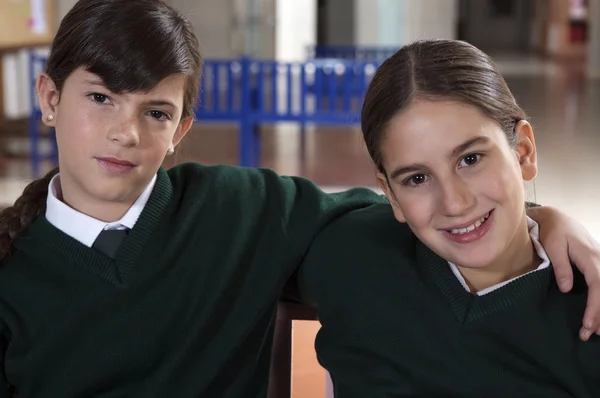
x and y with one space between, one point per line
548 50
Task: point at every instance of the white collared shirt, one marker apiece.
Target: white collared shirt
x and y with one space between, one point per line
82 227
534 232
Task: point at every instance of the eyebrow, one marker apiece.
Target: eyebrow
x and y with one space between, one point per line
94 82
98 82
455 152
160 103
468 144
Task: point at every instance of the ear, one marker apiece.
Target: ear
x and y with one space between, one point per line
184 126
382 181
48 98
526 150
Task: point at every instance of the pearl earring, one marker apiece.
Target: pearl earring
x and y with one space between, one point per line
170 151
50 118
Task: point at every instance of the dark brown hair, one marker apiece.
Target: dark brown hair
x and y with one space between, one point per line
132 45
436 70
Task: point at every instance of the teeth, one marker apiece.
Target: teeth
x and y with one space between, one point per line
470 228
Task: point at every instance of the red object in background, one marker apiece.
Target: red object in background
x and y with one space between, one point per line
578 12
578 32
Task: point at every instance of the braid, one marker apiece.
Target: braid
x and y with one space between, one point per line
14 220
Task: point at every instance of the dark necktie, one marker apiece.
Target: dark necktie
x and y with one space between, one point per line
108 241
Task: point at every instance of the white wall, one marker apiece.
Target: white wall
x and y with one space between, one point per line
427 19
399 22
295 28
212 22
254 28
367 22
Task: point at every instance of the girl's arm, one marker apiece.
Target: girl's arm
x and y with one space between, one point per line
567 242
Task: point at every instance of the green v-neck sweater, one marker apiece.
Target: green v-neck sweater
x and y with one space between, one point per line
186 308
396 322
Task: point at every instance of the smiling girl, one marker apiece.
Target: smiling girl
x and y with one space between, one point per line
447 291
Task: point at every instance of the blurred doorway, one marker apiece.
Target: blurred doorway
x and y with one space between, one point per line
496 25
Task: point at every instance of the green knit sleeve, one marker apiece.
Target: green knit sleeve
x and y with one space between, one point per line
306 209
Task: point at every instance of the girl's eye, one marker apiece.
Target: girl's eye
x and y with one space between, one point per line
99 98
416 179
470 160
158 115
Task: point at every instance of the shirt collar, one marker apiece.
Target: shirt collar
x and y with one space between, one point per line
82 227
534 233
